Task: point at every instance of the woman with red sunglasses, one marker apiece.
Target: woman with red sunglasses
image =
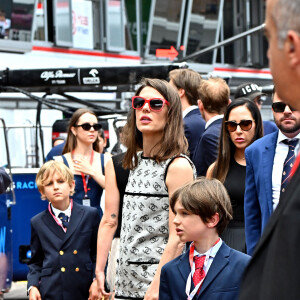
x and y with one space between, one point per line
242 125
155 156
81 155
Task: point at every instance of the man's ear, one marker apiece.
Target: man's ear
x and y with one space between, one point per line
181 92
200 105
292 48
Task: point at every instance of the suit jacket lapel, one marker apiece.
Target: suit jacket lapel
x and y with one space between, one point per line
218 264
268 160
184 265
278 212
75 220
52 225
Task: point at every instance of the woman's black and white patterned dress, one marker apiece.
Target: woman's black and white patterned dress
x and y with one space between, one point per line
145 227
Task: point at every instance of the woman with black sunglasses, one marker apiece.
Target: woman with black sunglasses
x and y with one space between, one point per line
81 155
242 125
155 141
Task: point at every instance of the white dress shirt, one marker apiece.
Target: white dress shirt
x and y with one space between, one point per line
56 212
213 119
281 152
210 255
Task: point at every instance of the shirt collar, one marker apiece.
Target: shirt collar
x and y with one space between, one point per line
212 251
56 211
281 137
217 117
188 109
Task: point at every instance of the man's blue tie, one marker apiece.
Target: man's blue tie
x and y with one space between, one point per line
64 219
288 164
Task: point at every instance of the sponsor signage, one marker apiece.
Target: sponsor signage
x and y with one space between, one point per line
82 24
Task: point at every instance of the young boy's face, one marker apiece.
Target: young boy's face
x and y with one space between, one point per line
189 227
57 190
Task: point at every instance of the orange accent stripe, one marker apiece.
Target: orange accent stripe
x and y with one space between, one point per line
83 52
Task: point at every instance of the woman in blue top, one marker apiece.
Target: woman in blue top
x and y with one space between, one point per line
81 155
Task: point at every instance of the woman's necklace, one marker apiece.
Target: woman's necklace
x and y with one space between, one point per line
240 159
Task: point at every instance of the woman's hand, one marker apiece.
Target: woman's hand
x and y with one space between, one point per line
100 285
34 294
82 165
93 292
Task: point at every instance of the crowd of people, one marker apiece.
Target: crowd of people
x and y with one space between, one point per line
231 233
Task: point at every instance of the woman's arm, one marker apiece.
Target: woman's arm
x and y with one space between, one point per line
108 224
179 173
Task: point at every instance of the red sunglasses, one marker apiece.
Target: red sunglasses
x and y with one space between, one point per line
155 104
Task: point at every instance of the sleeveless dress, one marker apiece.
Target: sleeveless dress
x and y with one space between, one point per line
234 234
145 228
94 189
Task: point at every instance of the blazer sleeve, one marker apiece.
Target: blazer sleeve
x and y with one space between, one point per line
164 289
251 207
206 153
93 246
36 262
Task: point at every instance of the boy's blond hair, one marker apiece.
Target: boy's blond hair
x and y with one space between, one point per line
47 171
205 197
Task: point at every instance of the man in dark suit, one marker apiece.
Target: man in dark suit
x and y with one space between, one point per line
254 92
63 241
274 271
187 82
214 97
265 161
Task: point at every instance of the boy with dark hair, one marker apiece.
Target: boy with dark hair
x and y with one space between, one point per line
63 240
209 269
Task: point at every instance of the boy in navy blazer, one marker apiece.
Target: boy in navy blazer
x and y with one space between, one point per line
63 241
202 211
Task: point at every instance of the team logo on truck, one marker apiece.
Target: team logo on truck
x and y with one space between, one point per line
58 77
94 79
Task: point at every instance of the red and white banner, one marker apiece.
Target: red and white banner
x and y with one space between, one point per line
82 21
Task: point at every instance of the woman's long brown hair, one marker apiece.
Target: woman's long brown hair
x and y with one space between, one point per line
71 141
226 146
173 141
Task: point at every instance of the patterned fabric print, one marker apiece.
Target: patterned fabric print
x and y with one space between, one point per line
144 231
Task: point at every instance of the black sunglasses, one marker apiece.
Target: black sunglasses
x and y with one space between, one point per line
245 125
155 104
87 126
279 107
